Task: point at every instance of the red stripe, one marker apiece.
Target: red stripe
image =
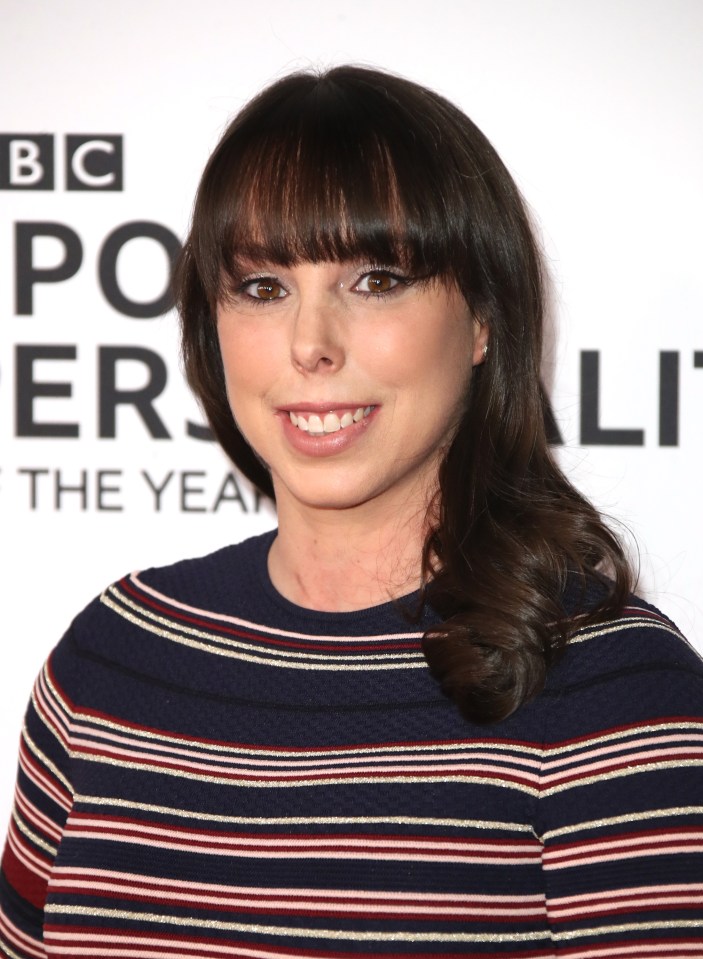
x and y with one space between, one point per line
664 947
26 883
642 726
625 836
322 851
605 768
293 777
217 627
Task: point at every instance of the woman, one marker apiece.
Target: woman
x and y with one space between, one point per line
425 717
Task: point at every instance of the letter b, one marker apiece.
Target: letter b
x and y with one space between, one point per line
26 161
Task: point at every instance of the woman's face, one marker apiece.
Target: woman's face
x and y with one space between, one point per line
347 379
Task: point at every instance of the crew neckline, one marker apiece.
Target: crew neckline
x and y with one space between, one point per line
391 611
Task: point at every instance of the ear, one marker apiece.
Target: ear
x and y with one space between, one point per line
480 346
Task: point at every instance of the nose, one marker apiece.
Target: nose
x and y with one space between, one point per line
317 335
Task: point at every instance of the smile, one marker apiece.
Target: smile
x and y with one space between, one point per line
329 423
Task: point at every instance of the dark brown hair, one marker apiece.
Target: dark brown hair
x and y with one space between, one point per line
358 164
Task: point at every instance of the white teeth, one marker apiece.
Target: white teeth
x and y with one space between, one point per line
331 423
315 425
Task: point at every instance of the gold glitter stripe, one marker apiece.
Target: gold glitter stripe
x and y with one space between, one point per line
302 820
343 665
45 761
11 953
568 934
259 930
59 700
298 783
32 836
179 629
616 626
50 728
628 771
247 624
673 811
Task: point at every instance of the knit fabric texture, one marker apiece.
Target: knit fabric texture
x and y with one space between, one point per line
208 770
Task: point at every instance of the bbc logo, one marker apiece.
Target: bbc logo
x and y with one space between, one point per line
92 161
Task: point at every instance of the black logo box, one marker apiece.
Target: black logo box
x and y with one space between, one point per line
92 161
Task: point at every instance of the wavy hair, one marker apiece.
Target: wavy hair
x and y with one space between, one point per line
354 163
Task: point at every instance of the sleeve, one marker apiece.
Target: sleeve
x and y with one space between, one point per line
43 799
621 814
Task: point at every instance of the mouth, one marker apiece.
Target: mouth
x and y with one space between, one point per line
316 424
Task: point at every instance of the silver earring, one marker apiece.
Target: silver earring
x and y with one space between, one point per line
485 350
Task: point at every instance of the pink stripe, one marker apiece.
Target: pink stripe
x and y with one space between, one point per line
615 856
622 747
653 756
30 859
309 771
624 840
20 939
692 722
37 818
81 726
262 901
50 709
90 716
267 630
632 892
79 874
671 949
166 946
107 945
312 853
41 780
88 737
655 897
234 839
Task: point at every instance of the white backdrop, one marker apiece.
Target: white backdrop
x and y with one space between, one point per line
596 107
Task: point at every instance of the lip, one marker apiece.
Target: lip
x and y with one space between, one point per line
331 443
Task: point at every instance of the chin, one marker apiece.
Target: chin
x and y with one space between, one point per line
328 493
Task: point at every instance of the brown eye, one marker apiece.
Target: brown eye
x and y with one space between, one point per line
377 282
265 288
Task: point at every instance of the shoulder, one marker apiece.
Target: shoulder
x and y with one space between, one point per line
211 585
640 638
210 582
633 670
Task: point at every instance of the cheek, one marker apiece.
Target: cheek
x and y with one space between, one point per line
248 364
435 353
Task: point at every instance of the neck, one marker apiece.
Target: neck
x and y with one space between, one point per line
342 560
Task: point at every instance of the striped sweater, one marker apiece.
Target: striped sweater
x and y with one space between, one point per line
207 770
